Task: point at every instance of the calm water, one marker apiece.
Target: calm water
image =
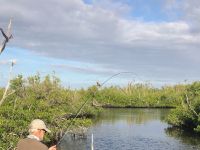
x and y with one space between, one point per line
134 129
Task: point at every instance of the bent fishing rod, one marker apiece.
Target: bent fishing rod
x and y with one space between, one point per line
82 106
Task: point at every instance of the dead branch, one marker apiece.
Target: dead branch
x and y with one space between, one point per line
7 35
8 84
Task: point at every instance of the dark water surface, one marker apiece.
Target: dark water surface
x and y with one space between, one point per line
135 129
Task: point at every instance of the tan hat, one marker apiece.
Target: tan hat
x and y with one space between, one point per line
38 124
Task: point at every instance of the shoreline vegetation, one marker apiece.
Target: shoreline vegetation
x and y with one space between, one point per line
44 98
112 106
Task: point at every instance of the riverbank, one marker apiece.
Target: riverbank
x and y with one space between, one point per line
187 115
184 98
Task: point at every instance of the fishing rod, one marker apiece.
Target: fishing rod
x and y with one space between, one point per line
82 106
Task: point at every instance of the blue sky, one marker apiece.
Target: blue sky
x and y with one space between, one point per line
88 41
31 63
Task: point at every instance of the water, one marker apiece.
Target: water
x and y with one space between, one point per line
134 129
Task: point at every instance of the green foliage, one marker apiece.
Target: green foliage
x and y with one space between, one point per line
188 113
140 95
44 99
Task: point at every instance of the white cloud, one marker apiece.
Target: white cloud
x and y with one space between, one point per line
98 33
188 10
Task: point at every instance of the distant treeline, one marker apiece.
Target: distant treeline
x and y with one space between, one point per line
46 99
140 95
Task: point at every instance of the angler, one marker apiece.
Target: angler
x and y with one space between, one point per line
37 130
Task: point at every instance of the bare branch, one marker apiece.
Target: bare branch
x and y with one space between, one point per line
6 35
8 85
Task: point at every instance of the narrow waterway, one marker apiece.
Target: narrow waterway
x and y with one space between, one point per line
135 129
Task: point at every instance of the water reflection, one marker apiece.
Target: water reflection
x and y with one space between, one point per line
132 116
130 129
185 136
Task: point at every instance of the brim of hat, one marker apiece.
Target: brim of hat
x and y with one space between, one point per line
49 131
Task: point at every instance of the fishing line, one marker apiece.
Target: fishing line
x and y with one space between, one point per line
79 110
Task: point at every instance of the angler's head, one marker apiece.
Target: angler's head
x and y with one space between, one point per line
38 128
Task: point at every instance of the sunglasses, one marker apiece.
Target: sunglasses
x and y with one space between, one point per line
43 130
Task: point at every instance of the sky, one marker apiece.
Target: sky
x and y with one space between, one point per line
84 41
